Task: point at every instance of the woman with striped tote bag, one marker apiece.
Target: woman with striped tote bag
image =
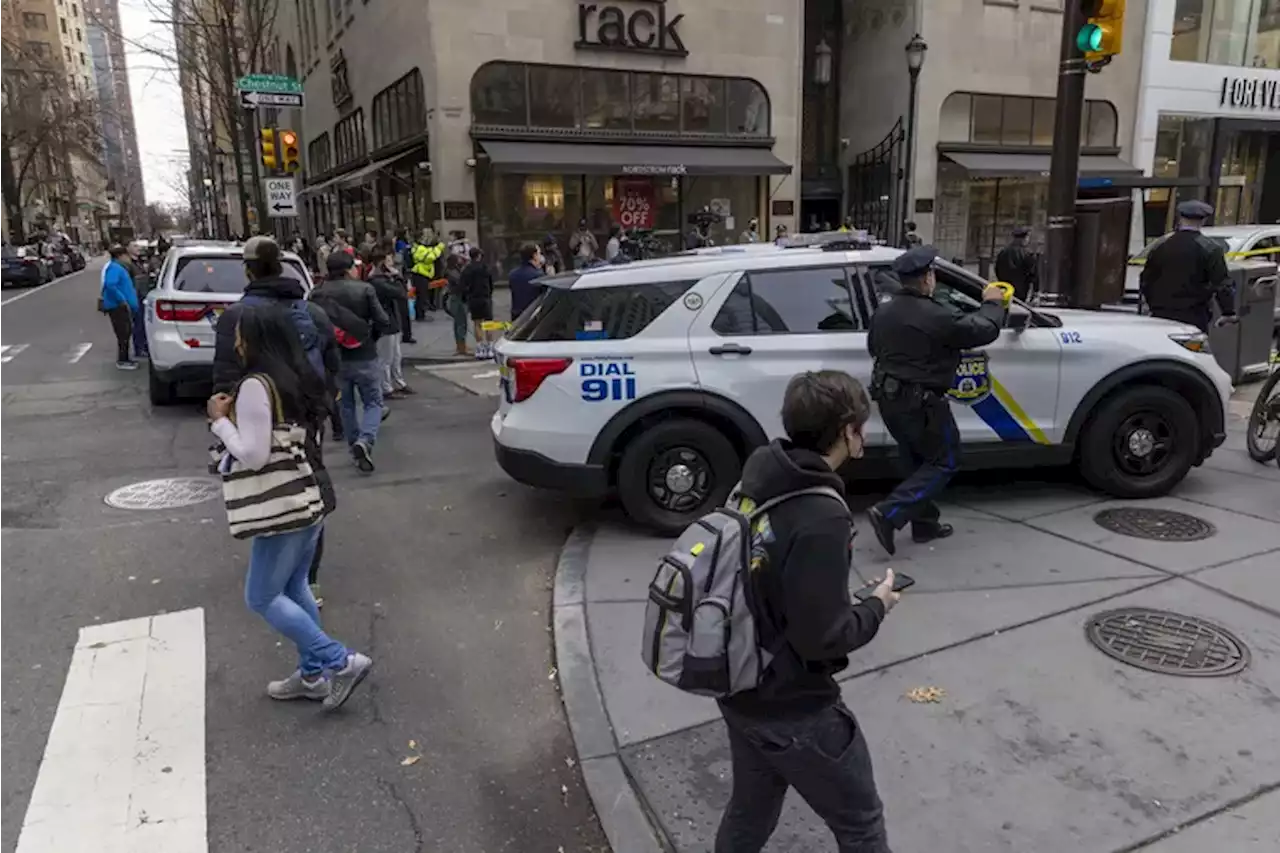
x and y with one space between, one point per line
271 484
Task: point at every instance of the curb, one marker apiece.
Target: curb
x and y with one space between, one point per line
617 807
439 360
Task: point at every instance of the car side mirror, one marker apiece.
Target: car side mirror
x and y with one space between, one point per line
1017 320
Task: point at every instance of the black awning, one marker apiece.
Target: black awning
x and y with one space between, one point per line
996 165
589 159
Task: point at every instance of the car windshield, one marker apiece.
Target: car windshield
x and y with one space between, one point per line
220 274
1220 242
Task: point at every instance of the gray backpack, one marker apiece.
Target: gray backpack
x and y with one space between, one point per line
699 632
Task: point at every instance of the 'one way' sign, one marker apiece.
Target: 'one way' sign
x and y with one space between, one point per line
281 199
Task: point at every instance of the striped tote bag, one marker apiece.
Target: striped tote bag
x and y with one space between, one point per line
280 496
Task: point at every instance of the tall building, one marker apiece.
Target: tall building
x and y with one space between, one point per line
119 134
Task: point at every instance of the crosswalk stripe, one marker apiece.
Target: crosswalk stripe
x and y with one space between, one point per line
123 769
11 352
78 352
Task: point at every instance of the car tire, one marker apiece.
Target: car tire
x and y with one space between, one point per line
701 467
161 392
1139 443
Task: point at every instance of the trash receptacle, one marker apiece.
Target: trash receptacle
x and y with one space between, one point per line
1244 348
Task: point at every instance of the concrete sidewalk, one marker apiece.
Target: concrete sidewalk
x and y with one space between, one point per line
1040 743
434 336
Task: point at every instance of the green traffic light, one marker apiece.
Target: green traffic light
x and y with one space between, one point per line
1089 39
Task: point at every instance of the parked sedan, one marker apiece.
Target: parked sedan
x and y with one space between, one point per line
23 267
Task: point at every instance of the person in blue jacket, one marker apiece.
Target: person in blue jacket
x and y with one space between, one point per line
119 303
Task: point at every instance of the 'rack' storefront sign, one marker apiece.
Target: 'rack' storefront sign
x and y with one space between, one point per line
1250 93
646 29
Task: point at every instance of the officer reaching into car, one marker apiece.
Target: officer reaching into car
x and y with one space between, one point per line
1186 271
916 343
1016 264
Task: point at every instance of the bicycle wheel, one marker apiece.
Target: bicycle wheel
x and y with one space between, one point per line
1264 421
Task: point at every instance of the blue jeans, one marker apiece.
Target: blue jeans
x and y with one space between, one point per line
276 589
363 378
139 332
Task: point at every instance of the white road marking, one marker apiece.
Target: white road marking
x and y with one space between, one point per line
124 766
24 294
11 352
78 352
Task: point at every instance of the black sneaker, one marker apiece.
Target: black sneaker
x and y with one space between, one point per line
363 455
921 533
883 530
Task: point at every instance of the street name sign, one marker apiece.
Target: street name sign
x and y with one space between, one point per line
269 83
250 100
281 198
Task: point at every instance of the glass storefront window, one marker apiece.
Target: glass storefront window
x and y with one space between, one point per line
1227 32
702 105
734 198
1016 127
498 94
986 118
748 107
656 102
606 100
1042 122
553 96
1099 127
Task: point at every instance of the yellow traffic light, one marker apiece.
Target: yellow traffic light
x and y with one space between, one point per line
1103 35
290 152
268 135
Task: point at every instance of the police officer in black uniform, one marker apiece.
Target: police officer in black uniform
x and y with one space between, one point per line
1016 264
916 342
1186 271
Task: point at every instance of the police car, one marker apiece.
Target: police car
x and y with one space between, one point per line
654 380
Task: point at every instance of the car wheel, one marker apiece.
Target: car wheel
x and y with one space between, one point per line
161 392
675 472
1139 443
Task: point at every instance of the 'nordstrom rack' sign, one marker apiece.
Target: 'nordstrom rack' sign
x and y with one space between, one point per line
645 29
1250 93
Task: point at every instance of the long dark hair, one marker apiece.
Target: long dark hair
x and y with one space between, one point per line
272 346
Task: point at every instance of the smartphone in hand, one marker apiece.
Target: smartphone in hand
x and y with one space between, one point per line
900 582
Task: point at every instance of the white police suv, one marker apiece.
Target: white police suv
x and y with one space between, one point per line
653 380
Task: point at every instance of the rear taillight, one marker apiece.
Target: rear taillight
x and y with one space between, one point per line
181 312
527 374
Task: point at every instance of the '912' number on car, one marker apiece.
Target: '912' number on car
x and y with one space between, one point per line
1070 337
607 381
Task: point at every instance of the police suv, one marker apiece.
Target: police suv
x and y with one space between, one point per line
654 379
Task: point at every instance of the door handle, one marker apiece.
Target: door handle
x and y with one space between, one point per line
730 349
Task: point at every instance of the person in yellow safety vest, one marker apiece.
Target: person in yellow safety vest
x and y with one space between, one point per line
426 251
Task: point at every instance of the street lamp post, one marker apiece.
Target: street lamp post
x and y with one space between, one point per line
915 61
822 61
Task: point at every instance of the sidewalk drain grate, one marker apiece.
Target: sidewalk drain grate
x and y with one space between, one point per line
1163 525
169 493
1160 641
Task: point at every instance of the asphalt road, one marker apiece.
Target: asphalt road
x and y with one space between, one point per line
437 566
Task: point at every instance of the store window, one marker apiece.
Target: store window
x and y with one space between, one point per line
349 140
736 199
1227 32
399 111
513 95
319 155
1014 120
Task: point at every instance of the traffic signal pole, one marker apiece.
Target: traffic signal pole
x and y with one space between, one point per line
1060 287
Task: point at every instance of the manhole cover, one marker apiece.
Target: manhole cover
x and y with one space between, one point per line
1164 525
168 493
1160 641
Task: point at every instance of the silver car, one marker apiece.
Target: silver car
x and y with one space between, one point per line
1237 241
195 285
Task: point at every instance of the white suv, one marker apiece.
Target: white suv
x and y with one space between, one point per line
195 285
655 379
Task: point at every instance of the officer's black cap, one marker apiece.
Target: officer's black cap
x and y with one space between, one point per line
1194 209
1021 231
915 262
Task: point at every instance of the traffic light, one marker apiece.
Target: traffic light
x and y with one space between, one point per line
268 135
290 154
1103 35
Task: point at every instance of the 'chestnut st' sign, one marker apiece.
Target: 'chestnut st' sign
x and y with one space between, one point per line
644 29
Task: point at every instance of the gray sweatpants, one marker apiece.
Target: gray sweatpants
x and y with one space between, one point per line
390 359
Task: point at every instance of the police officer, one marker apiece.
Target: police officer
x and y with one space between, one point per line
1186 271
916 342
1016 264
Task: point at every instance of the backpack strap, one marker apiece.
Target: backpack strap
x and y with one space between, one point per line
277 409
825 491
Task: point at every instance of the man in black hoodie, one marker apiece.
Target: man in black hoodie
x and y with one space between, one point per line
794 729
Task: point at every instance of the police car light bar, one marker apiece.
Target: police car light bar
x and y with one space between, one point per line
831 241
